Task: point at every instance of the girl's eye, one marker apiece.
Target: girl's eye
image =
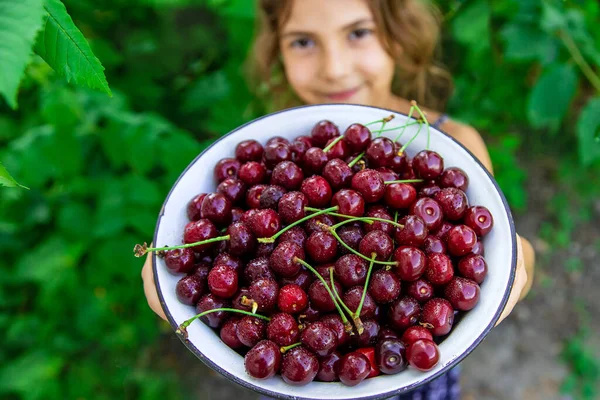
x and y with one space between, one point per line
303 43
360 33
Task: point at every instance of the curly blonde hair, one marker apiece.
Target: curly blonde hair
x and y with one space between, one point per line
412 24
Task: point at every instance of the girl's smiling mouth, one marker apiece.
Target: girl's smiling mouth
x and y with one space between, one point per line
343 95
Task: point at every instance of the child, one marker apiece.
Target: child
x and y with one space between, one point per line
371 52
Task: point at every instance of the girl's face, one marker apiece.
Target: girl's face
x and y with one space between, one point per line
332 53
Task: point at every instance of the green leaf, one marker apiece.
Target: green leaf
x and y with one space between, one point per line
550 98
7 180
552 18
588 131
50 260
64 47
206 91
526 43
20 20
471 26
29 374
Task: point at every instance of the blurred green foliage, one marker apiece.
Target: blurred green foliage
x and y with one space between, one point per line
72 313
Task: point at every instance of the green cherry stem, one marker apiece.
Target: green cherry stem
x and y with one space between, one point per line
335 141
344 306
182 329
281 232
411 140
356 315
383 120
384 124
140 250
400 127
283 349
407 124
318 275
356 159
403 181
396 216
414 104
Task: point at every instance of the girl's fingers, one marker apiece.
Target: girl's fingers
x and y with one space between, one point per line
519 284
150 288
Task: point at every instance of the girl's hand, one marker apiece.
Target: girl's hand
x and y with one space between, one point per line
150 288
522 280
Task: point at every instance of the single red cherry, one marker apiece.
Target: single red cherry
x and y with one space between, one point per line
198 231
194 207
317 190
226 168
223 281
454 177
263 360
428 164
275 153
413 232
453 201
411 263
299 366
248 150
287 174
400 195
423 354
283 259
369 184
421 289
322 132
350 202
318 338
462 293
390 354
338 174
189 289
404 312
180 260
228 333
251 330
384 286
474 267
292 299
358 137
415 333
283 329
439 270
380 152
479 219
429 211
217 209
438 315
354 368
210 302
252 173
460 240
264 292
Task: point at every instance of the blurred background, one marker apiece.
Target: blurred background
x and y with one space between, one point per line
74 322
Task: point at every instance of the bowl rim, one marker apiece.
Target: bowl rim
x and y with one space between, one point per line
405 389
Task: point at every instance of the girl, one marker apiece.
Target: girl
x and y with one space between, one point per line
371 52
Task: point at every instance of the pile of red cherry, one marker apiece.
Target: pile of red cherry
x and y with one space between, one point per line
289 218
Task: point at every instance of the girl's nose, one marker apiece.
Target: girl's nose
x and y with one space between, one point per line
335 63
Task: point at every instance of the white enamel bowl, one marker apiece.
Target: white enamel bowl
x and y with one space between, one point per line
499 244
